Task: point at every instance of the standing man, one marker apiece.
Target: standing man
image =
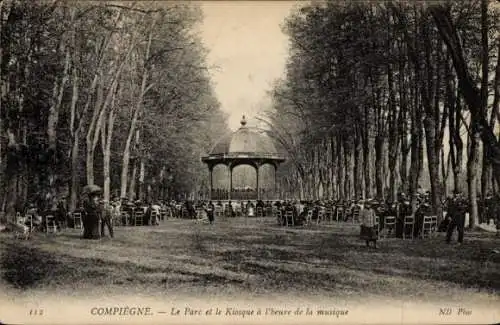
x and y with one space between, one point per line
210 212
106 218
457 212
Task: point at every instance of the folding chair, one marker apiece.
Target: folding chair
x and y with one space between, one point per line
426 227
434 226
376 226
77 220
355 214
390 226
163 214
154 218
138 218
409 221
51 224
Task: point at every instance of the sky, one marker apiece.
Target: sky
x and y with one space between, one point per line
249 49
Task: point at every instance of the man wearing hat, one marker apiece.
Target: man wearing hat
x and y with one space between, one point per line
457 210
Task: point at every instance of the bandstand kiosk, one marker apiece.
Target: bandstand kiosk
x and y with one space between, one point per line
246 146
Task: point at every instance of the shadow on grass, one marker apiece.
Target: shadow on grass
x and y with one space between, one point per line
25 267
428 260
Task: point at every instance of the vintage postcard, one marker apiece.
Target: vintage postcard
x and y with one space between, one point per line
249 162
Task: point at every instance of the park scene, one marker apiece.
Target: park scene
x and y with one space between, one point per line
328 151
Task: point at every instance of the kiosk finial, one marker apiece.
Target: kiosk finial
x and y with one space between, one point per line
243 122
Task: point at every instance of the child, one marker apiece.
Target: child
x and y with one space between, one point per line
368 233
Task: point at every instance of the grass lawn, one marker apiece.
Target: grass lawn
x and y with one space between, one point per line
251 258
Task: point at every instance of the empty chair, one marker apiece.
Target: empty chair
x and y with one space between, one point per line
408 222
154 218
376 226
427 225
138 218
77 220
163 214
390 226
355 214
434 226
50 224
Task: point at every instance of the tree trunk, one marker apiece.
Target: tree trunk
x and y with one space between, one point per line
486 174
133 177
142 175
415 152
89 139
433 164
379 165
358 166
107 154
333 168
367 152
467 85
12 160
472 164
340 168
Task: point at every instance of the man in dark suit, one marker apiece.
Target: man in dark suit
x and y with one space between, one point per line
210 210
456 210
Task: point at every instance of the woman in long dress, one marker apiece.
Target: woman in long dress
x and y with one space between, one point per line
92 217
368 231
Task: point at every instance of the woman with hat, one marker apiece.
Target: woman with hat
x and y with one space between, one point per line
92 212
368 232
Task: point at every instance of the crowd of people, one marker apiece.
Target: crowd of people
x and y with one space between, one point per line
241 194
120 212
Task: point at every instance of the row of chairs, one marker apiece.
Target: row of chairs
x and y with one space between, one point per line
137 218
429 226
259 212
50 222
